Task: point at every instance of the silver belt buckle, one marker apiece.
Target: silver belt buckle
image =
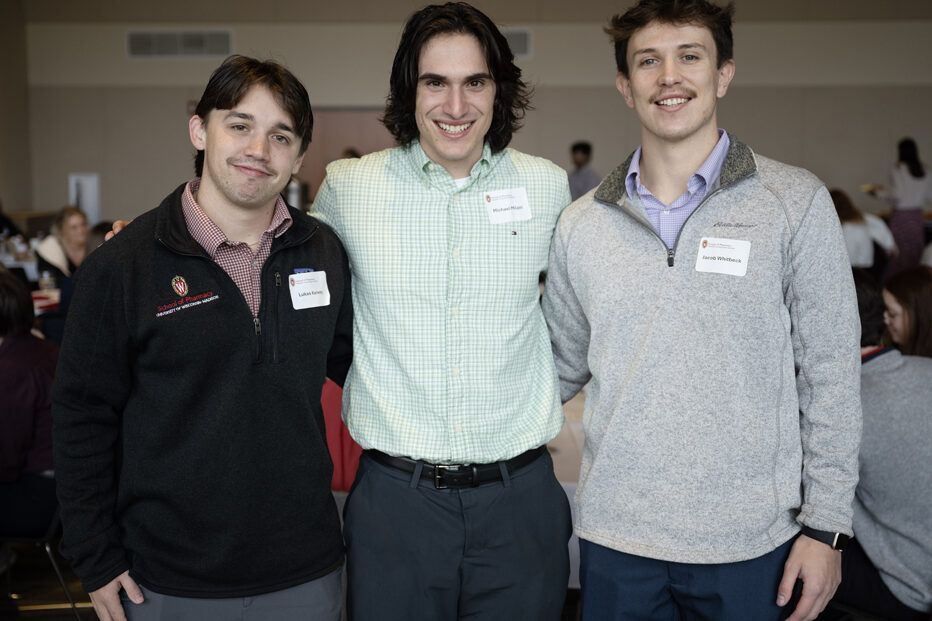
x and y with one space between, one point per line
437 472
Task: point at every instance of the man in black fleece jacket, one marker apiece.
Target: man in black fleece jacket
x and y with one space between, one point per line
190 452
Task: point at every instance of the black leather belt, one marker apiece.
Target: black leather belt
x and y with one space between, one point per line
452 476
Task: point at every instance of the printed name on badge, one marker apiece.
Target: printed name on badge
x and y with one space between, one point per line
507 205
309 290
723 256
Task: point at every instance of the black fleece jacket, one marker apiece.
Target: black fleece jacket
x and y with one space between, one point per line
188 437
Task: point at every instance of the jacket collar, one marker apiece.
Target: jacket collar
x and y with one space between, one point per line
882 360
739 163
171 230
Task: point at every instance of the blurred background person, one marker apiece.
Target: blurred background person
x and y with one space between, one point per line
27 367
908 298
863 231
887 567
62 252
59 255
8 228
584 178
909 191
926 258
96 235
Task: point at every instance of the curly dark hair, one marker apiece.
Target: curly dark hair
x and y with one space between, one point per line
231 82
512 95
698 12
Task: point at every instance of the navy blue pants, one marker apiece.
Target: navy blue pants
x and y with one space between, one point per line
497 551
618 586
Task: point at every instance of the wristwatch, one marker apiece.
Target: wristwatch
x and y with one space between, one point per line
836 541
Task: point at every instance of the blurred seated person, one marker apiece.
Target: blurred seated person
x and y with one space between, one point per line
908 298
97 235
60 254
887 568
27 366
862 232
8 228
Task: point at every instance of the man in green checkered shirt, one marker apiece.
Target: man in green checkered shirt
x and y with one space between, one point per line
455 511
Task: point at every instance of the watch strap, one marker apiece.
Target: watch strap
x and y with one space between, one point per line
836 541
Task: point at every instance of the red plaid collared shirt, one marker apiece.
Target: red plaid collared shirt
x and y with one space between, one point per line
236 258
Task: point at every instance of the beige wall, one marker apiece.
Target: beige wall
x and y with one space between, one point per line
503 11
15 182
830 88
846 135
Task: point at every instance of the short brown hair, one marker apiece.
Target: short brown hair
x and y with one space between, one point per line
231 82
698 12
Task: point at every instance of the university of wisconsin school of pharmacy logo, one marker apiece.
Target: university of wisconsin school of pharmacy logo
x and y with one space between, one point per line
180 285
705 243
488 198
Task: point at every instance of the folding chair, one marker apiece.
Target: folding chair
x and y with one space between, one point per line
45 541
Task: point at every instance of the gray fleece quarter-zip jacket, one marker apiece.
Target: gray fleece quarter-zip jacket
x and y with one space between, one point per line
721 377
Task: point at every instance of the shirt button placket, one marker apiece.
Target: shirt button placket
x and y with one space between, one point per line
455 276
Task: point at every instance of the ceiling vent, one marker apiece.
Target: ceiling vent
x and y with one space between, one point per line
178 43
520 40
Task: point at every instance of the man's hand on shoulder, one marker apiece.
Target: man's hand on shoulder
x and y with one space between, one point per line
118 226
106 599
819 568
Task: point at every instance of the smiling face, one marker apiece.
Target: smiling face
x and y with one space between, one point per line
454 102
674 83
895 317
250 151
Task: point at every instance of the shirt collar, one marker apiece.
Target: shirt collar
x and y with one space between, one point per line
424 164
875 354
205 231
704 177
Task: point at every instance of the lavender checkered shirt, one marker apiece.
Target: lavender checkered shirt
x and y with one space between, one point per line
236 259
668 219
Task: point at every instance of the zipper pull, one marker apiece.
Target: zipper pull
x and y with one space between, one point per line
278 279
255 322
670 254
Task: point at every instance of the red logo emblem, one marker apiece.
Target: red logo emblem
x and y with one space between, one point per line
704 243
180 286
488 198
292 281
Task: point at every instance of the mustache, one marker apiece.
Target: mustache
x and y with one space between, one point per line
691 94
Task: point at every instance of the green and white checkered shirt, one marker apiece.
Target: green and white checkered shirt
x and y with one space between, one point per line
452 359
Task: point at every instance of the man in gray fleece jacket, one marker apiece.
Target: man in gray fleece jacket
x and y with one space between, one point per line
702 296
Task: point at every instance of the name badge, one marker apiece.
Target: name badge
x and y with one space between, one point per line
723 256
507 205
309 290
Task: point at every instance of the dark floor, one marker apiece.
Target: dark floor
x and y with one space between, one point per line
38 595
